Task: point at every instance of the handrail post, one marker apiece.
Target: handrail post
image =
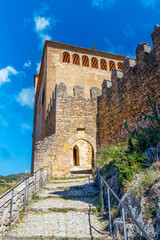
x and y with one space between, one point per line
25 195
11 207
47 174
101 188
124 224
28 192
35 185
109 208
40 180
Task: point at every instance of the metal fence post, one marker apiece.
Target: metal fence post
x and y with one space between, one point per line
47 174
109 208
25 195
28 191
11 207
124 224
40 180
101 188
35 185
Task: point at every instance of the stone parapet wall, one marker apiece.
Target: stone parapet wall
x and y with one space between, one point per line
127 96
19 200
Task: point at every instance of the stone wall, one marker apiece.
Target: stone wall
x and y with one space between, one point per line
69 120
127 96
19 200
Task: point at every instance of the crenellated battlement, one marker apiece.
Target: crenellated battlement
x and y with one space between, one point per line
126 97
60 98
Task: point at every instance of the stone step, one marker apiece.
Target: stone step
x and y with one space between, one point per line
65 194
68 180
68 191
53 186
81 204
57 236
56 225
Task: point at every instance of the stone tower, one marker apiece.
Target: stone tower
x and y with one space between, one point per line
66 91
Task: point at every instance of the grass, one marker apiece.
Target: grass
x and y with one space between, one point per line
145 179
4 188
10 181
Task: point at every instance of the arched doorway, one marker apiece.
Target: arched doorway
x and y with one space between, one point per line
76 156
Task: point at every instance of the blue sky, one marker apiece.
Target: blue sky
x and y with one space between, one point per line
115 26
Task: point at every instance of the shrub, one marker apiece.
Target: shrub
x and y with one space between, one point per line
127 163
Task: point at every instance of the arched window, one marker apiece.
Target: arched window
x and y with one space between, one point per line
85 61
94 62
76 59
66 57
43 95
103 64
111 65
119 65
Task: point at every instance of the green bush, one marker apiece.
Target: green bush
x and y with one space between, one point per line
127 163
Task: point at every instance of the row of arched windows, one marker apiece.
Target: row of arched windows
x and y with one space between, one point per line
94 61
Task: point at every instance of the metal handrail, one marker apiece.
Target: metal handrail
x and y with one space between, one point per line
3 195
26 188
124 208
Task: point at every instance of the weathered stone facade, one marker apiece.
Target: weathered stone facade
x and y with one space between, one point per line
66 91
71 119
127 96
75 119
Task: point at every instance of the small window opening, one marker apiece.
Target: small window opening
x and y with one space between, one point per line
119 65
111 65
103 64
76 59
43 95
66 57
85 61
94 62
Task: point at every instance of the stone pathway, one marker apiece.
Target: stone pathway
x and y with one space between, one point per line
65 209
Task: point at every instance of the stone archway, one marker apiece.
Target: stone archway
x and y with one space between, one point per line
82 154
80 139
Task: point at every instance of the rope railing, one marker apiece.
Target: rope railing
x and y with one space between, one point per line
35 180
102 183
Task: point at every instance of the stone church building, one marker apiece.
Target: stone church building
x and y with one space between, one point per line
65 112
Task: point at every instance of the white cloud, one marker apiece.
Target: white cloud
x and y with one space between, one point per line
103 3
38 67
27 64
41 23
43 38
6 73
26 97
149 3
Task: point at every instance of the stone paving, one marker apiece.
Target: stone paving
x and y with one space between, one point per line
65 209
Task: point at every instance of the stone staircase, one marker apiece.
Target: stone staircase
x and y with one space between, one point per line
63 209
